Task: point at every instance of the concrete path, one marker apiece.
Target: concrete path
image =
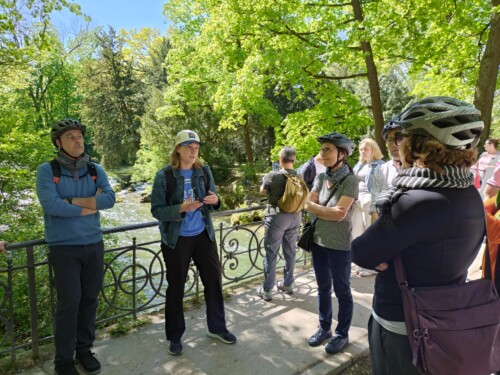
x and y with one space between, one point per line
271 338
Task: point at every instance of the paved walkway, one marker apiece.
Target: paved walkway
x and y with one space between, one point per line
271 338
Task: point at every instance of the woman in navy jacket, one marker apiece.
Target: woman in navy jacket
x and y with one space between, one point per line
432 216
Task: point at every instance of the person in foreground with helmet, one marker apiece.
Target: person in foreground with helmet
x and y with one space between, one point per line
432 215
331 201
183 195
71 203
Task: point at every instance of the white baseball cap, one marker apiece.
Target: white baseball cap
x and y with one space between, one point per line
186 137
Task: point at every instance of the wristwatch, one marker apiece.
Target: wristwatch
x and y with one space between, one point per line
70 200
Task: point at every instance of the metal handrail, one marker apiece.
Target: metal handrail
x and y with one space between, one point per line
134 281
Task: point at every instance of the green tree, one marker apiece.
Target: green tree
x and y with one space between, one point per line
488 71
113 101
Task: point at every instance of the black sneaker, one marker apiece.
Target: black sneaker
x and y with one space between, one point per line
89 362
319 336
226 338
336 344
66 368
175 348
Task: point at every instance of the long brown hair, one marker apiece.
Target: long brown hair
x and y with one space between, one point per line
175 160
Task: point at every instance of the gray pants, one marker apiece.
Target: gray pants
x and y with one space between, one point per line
78 273
280 229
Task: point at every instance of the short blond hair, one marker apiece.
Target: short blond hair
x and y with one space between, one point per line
377 153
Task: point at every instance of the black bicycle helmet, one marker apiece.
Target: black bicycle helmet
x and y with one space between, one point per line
451 121
339 140
63 126
388 127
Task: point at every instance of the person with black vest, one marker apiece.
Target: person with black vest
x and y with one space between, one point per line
72 190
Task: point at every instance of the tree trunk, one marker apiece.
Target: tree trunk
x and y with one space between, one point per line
248 139
488 72
371 69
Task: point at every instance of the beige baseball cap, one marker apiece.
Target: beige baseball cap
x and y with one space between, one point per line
186 137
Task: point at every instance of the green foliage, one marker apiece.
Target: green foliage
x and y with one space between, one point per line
113 101
232 195
123 326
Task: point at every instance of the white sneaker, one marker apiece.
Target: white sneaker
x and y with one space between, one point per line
367 273
288 289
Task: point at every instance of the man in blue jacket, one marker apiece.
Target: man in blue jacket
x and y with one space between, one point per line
72 190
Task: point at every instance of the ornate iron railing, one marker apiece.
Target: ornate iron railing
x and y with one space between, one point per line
134 279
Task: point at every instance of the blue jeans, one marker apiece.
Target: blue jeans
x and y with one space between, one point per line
333 266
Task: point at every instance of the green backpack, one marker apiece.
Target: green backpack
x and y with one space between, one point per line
294 198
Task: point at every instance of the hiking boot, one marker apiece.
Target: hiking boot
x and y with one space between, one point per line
266 295
89 362
66 368
175 348
320 336
288 289
336 344
226 338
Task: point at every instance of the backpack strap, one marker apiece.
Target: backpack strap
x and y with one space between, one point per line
170 179
92 171
56 171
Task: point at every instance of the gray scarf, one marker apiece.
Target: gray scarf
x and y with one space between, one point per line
74 165
335 176
418 178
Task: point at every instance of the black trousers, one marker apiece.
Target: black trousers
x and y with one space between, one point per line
390 352
203 252
78 274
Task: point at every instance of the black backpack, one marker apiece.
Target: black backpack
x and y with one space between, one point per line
56 171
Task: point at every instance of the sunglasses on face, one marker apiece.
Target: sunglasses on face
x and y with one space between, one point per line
397 139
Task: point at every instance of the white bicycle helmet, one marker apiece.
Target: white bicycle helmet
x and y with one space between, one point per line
452 122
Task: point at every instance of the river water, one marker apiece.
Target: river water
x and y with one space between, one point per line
240 256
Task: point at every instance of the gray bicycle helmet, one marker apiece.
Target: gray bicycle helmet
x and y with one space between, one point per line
63 126
388 127
339 140
452 122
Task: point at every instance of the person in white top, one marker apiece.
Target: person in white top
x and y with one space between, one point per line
384 175
370 159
